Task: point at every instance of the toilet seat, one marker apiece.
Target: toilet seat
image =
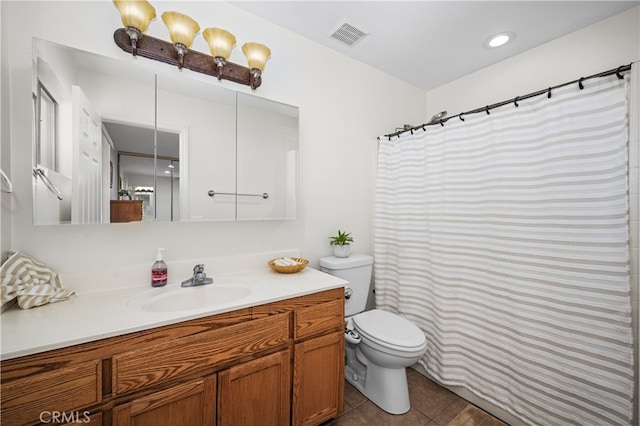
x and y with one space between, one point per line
390 330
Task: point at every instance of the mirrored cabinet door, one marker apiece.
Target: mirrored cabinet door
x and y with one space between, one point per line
267 150
204 118
77 97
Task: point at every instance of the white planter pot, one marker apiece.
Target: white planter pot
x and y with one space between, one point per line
341 251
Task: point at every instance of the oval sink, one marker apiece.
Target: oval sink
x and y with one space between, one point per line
192 298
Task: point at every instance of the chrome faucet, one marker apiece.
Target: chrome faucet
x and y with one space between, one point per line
199 277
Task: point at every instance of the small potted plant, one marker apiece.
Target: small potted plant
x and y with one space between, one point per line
124 193
340 243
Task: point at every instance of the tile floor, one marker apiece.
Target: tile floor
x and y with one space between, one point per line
431 405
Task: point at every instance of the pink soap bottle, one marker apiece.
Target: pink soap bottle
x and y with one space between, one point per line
159 271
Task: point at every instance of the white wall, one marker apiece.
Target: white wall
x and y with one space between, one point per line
343 107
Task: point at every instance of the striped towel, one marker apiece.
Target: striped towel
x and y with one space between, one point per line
30 282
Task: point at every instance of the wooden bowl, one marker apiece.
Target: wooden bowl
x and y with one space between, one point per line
289 269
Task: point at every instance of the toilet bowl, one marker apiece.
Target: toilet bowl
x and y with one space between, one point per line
388 344
379 345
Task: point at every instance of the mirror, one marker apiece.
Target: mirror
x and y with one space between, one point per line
115 141
267 158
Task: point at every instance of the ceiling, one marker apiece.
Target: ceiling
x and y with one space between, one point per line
430 43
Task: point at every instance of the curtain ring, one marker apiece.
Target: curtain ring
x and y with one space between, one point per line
580 85
460 116
620 76
549 93
515 101
487 109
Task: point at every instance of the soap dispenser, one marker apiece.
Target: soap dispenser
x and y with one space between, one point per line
159 271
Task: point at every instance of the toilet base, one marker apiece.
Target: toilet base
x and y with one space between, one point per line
385 387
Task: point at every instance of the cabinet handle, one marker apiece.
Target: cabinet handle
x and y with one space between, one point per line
348 293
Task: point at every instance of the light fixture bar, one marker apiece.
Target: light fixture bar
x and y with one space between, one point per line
163 51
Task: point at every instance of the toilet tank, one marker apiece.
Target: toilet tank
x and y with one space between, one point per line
357 270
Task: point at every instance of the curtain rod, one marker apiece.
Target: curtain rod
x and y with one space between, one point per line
617 71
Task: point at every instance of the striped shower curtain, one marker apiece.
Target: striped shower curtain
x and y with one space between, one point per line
505 239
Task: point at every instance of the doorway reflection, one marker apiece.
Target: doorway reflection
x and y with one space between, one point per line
141 176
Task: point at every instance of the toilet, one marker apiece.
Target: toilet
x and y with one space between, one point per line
379 345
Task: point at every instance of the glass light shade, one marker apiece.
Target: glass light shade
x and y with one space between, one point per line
135 13
182 28
220 42
257 55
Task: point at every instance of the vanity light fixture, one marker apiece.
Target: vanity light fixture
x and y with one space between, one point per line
139 190
182 30
220 44
136 15
257 55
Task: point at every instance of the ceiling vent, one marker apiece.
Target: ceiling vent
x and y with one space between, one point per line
348 34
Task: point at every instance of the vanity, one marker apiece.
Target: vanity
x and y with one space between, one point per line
274 357
126 210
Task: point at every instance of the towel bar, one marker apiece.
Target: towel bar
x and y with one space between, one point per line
213 193
47 182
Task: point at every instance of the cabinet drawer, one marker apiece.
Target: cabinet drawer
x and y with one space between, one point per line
62 390
150 365
319 319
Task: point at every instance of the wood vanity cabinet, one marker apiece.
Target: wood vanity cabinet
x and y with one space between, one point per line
275 364
126 210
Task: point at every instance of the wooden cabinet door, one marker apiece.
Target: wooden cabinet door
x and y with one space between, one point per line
257 392
318 379
188 404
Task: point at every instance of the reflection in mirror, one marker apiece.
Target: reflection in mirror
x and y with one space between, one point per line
75 91
135 171
267 157
206 116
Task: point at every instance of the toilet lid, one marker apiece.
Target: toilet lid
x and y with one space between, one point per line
389 328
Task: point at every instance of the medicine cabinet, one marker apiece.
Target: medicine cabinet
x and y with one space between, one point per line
110 129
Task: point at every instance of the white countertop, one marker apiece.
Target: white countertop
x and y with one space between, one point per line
97 315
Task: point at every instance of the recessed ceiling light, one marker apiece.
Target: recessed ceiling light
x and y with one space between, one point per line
499 39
